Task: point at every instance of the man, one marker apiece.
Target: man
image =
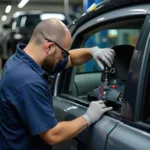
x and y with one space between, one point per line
27 118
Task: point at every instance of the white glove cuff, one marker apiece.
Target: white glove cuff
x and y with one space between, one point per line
87 117
93 49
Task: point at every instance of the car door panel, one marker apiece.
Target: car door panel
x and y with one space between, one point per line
93 138
64 108
125 137
100 131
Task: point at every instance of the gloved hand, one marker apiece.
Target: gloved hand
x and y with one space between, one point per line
105 55
95 111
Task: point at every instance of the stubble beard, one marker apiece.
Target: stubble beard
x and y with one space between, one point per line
48 65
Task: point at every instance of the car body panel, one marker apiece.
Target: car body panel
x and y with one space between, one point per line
125 137
106 6
115 14
94 137
100 132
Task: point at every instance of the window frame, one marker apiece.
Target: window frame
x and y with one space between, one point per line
113 16
146 94
133 115
144 71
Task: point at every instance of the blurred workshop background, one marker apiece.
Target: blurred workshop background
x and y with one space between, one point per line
18 18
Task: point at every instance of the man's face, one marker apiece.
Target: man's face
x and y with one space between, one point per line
56 54
51 60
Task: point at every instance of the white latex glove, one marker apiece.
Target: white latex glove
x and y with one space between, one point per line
95 111
105 55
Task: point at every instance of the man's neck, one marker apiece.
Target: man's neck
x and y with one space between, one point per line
34 53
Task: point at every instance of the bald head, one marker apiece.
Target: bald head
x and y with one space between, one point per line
52 29
49 39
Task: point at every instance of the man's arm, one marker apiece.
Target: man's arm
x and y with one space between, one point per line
64 131
69 129
82 55
78 57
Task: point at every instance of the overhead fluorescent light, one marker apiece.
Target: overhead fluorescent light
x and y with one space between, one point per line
8 9
22 3
52 15
4 18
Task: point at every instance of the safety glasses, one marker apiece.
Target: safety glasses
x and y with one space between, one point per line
65 52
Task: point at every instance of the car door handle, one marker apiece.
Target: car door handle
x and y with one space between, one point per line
70 108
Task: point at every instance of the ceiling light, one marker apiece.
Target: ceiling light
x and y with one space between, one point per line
8 9
52 15
22 3
4 18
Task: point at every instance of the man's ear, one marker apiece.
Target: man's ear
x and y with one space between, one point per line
49 47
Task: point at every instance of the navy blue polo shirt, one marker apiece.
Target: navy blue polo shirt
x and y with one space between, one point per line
26 108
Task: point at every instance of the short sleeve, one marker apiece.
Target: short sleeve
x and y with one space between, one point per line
35 107
61 65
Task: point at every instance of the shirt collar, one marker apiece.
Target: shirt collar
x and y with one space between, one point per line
23 55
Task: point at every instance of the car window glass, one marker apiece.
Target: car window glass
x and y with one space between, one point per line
108 38
88 79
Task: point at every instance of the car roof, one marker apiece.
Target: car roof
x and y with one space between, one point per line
107 5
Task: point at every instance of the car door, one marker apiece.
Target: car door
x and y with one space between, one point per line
74 86
133 132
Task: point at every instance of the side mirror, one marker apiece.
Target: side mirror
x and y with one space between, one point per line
6 26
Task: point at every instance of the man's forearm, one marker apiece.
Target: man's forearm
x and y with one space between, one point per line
82 55
64 130
79 56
